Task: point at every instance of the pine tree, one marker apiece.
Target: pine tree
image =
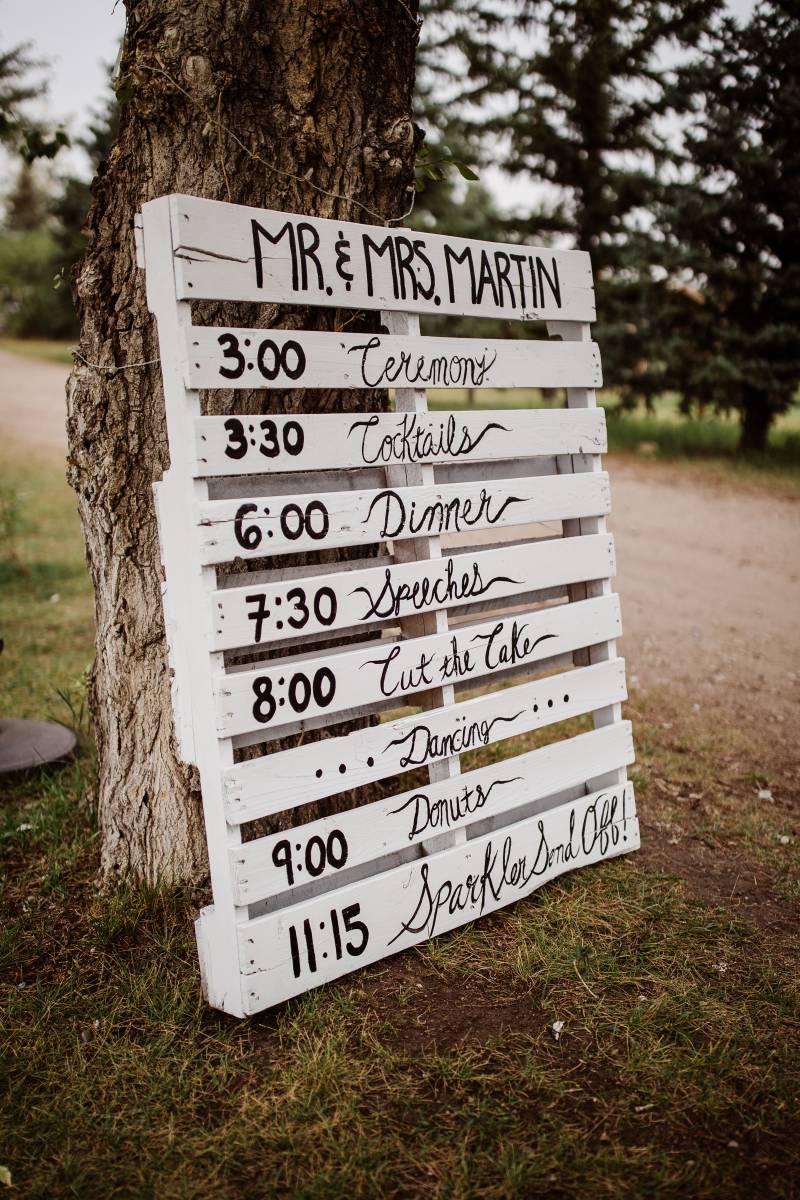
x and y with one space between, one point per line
19 131
733 226
577 90
26 203
71 206
16 91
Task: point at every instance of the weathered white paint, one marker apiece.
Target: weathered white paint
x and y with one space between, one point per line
255 528
225 357
386 826
268 696
244 616
487 837
260 445
224 252
286 952
284 779
186 591
576 334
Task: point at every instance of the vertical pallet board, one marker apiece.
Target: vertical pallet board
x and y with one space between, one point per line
488 611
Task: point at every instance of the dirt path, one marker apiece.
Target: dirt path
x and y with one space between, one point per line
709 575
709 572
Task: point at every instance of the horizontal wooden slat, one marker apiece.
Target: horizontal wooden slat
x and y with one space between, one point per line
258 527
252 615
391 670
222 357
286 952
254 445
322 848
229 252
305 773
363 479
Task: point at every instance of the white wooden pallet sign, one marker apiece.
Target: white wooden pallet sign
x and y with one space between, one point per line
480 608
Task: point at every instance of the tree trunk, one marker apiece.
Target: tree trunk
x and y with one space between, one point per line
320 91
756 421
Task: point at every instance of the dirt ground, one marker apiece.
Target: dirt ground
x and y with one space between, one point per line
709 571
33 408
709 579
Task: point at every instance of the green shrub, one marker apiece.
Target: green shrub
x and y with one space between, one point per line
30 304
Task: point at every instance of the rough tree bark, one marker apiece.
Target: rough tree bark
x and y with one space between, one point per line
321 90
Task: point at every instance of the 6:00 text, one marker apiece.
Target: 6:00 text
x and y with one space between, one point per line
293 520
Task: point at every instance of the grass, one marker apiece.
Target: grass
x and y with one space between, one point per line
47 620
432 1074
43 348
435 1074
665 433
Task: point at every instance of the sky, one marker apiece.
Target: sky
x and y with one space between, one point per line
79 40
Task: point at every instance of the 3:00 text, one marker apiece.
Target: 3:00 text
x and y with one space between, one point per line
272 359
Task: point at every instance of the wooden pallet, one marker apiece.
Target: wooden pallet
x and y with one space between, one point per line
486 574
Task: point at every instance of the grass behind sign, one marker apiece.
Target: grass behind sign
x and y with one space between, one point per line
433 1074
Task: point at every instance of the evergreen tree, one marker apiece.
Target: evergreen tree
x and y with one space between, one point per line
576 91
18 130
26 203
590 97
16 91
71 206
733 225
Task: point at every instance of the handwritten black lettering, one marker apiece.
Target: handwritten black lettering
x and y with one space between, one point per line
429 592
404 255
259 232
519 259
410 679
482 277
511 866
502 265
457 664
473 892
450 257
428 814
421 256
485 277
404 370
534 286
307 253
379 249
342 249
422 745
505 647
552 282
